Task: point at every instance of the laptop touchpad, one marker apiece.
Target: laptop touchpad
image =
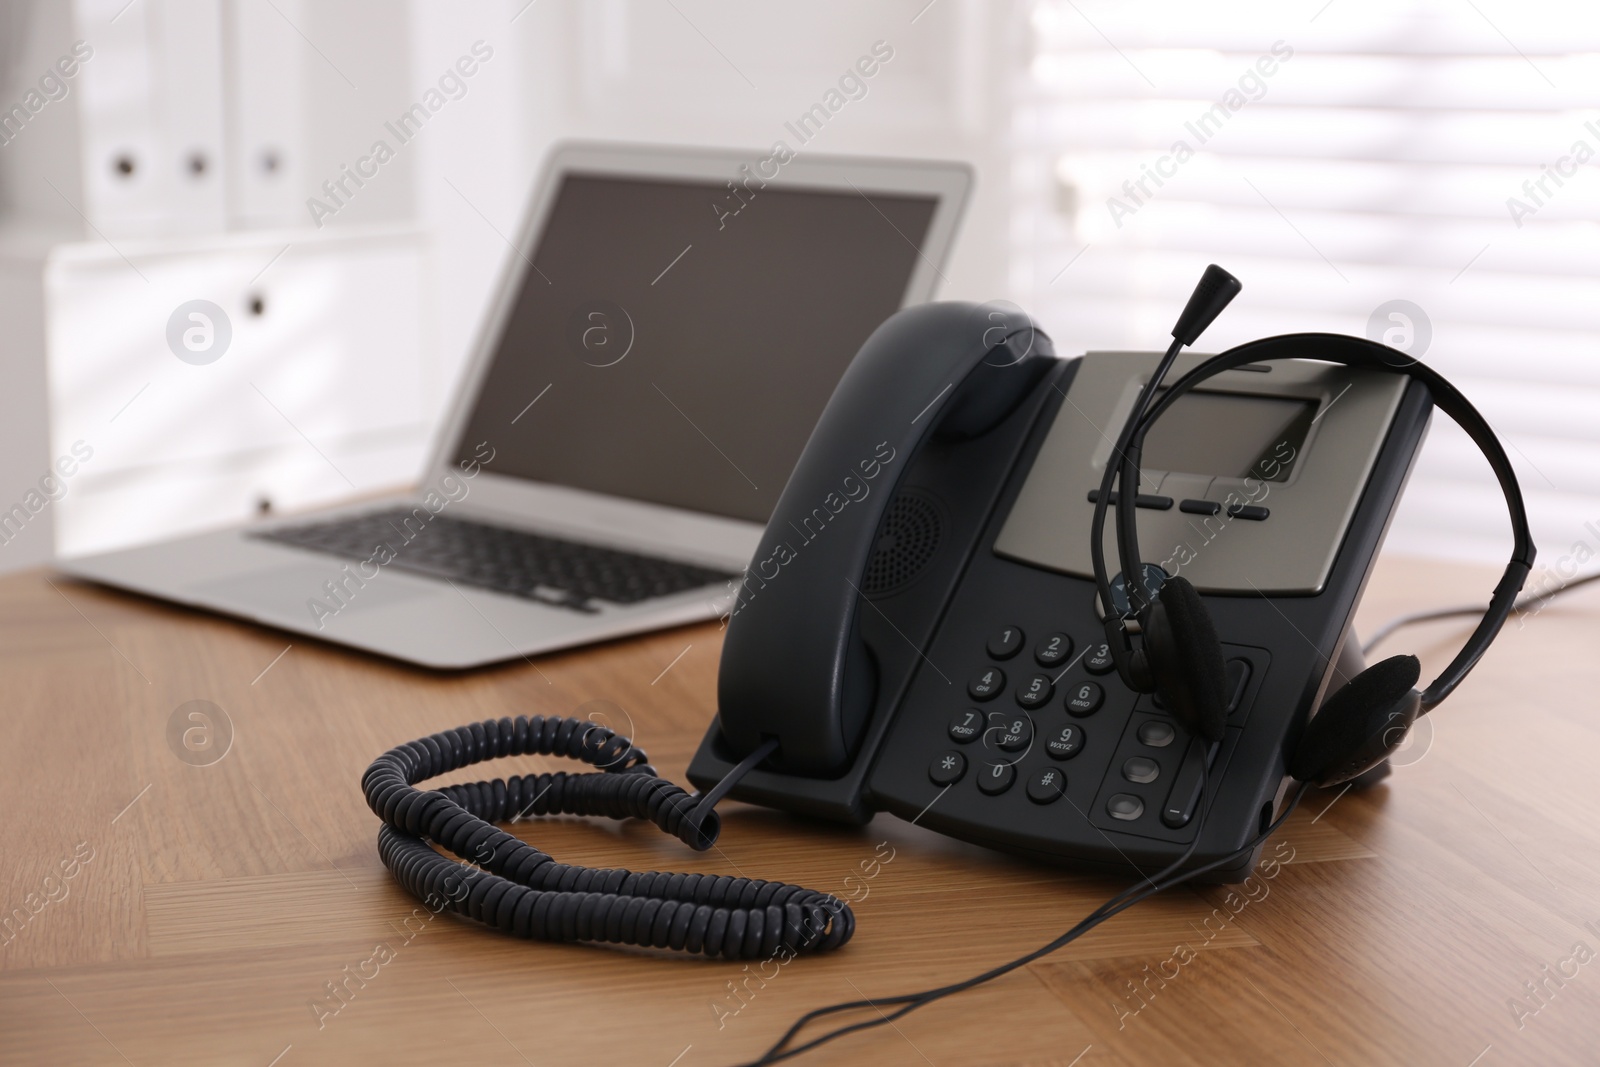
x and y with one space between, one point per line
304 589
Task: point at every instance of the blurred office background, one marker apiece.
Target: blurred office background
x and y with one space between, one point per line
1421 171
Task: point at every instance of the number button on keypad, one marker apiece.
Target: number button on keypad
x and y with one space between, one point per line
1098 659
1009 733
1065 742
1006 643
987 684
1035 692
1053 650
1085 698
966 726
996 778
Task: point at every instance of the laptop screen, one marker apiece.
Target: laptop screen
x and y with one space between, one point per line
669 348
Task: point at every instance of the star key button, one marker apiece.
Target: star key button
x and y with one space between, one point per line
947 768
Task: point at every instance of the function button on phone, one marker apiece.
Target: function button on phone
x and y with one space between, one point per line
1065 742
1254 512
1036 691
1009 733
1141 770
996 778
1199 507
1046 786
947 768
1098 659
1125 806
987 684
1153 732
966 726
1185 795
1142 500
1085 698
1053 650
1238 677
1006 643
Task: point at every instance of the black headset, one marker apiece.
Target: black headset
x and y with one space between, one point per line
1179 656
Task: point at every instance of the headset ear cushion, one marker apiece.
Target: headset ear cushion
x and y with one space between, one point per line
1360 725
1186 658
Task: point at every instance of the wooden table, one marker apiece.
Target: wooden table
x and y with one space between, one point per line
209 906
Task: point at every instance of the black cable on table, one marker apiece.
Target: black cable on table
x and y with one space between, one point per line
517 889
1134 894
1527 604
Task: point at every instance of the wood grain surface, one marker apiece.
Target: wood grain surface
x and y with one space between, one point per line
171 912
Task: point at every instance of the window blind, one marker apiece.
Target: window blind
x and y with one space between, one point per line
1339 157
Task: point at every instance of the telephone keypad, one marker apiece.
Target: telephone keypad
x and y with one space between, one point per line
1047 786
1006 643
1085 698
987 684
995 778
1098 659
966 726
1036 692
947 768
1053 650
1065 742
1135 776
1009 733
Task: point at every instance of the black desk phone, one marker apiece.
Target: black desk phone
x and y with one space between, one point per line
929 628
920 629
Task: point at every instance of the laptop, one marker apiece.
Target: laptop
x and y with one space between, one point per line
667 331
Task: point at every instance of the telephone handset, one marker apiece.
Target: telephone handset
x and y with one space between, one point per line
920 631
794 666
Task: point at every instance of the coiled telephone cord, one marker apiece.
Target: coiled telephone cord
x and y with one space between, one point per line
517 889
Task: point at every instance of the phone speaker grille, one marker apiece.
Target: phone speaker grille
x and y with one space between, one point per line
906 542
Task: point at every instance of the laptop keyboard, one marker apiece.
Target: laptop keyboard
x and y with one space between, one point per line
547 569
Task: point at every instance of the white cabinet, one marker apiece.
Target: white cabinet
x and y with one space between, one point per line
150 112
317 396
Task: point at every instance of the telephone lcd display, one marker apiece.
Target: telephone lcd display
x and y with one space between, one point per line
1230 435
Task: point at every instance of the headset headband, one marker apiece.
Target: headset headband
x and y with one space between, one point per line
1350 352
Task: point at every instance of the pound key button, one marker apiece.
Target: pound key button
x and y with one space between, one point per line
947 768
996 778
987 684
1046 786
